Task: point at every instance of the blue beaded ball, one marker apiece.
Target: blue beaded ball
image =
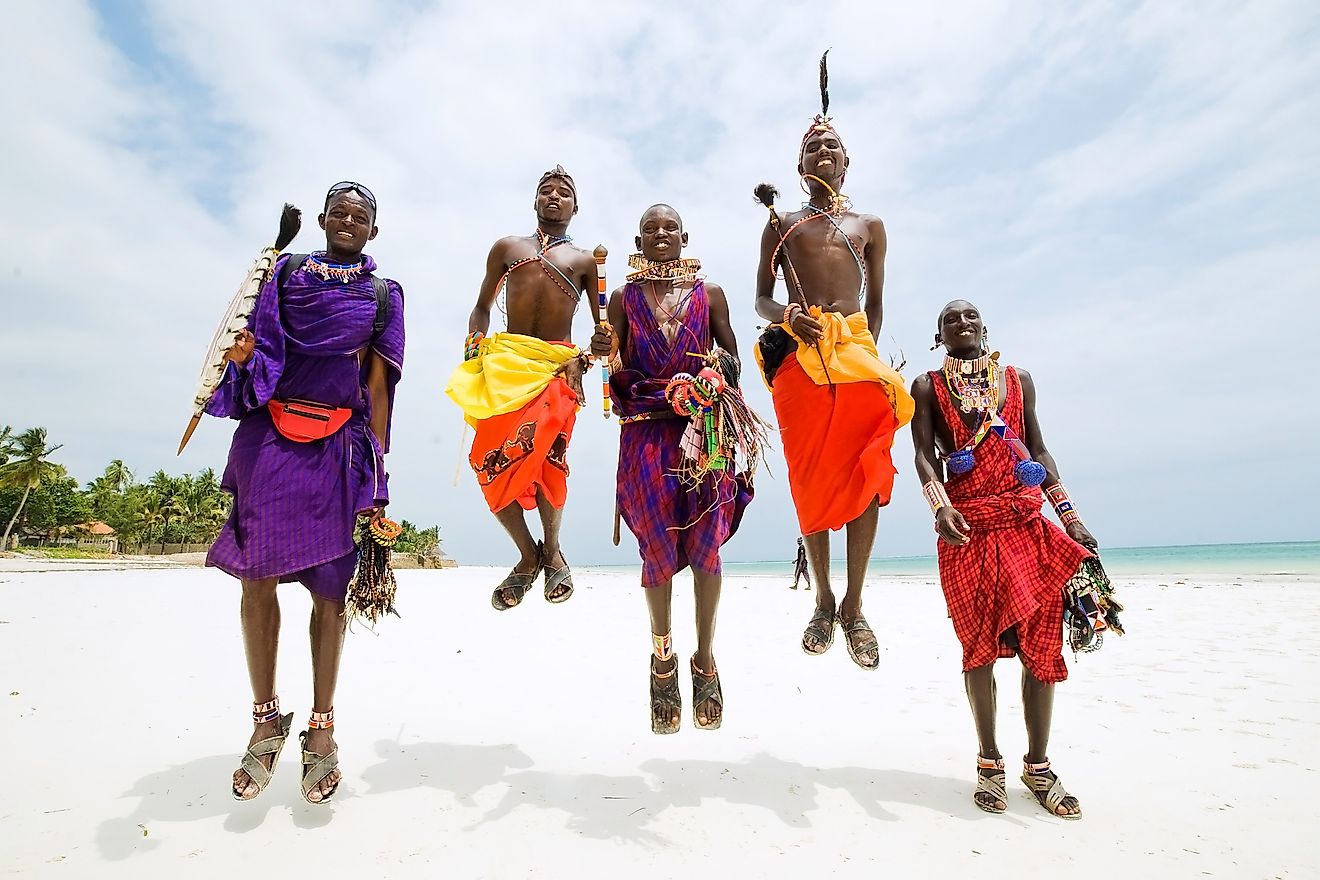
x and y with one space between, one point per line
961 461
1029 473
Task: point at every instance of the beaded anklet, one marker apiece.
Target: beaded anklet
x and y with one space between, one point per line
267 711
321 720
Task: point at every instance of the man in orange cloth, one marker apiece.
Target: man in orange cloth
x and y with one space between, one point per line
838 404
521 389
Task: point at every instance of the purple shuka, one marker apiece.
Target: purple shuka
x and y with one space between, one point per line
675 525
296 504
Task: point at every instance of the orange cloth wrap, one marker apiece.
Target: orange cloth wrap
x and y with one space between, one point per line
515 453
837 438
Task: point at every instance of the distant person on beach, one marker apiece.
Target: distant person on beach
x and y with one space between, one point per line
521 389
322 354
837 403
1003 566
663 325
800 569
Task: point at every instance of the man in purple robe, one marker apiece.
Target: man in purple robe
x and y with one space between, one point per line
324 338
657 321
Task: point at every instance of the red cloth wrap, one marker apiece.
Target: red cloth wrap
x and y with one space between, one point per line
1013 570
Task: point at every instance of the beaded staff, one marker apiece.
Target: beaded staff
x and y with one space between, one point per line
600 254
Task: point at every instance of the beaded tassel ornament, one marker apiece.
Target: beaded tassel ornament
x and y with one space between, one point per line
1090 608
371 591
722 426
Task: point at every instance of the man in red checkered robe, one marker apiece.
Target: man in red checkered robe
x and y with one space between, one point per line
1003 566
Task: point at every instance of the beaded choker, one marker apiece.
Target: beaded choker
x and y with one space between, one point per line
342 272
974 382
668 270
976 365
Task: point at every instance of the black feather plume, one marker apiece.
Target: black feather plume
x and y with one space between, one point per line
290 223
766 194
824 85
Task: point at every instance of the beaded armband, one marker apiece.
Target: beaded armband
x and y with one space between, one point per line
936 496
472 345
1063 505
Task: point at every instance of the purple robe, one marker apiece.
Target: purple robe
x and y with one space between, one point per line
296 504
675 525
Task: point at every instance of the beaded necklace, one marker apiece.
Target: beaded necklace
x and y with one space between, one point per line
545 241
671 318
978 384
681 269
341 272
838 204
975 383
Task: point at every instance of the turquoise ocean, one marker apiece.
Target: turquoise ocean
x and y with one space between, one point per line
1289 559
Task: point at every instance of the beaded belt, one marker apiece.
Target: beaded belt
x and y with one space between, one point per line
648 416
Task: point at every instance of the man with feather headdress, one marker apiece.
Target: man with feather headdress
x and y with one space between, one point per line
837 403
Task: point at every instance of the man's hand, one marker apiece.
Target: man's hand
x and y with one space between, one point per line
806 327
241 351
1081 535
603 341
572 373
951 527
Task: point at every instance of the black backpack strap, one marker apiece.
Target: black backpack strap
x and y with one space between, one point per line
291 265
382 305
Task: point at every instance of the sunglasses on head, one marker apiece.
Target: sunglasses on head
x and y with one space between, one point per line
351 186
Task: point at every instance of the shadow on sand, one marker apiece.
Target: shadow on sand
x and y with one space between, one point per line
200 790
620 808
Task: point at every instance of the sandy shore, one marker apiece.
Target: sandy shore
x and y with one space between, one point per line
486 745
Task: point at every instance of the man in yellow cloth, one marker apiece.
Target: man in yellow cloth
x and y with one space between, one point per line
837 403
521 389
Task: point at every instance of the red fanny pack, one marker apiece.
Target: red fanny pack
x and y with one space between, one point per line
303 421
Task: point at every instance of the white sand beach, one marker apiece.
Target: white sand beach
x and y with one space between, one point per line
484 745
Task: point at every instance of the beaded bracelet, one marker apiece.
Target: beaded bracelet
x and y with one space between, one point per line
1063 505
936 496
790 311
472 345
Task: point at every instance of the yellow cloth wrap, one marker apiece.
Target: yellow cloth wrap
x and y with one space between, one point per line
509 371
847 350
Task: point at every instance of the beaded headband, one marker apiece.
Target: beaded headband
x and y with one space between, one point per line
822 122
558 171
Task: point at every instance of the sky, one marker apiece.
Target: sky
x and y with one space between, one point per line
1128 192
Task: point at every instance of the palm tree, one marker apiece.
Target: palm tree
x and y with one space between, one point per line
27 467
6 443
117 476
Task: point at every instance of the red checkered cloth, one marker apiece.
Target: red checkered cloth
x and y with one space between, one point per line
1008 579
